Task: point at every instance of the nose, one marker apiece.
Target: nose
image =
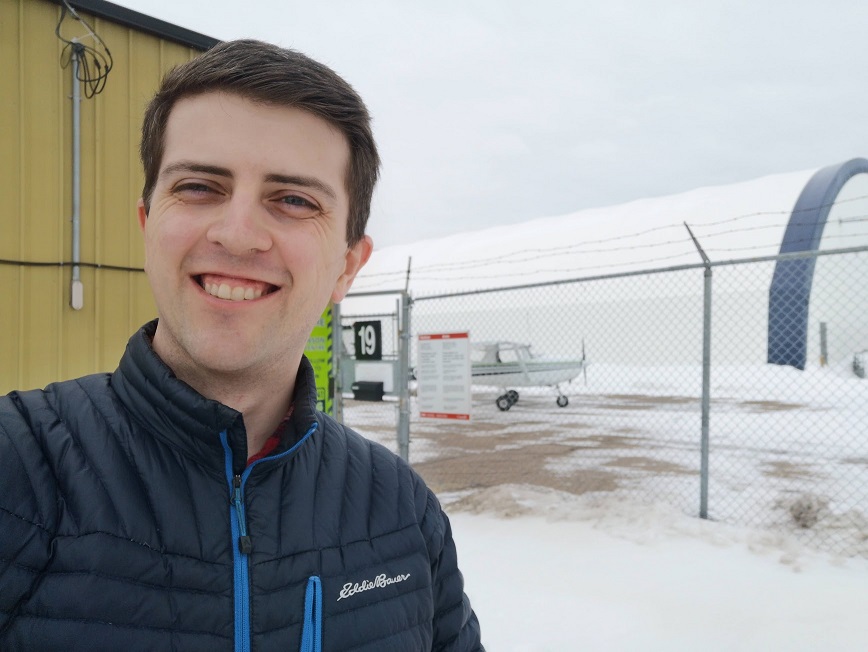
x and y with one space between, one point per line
241 227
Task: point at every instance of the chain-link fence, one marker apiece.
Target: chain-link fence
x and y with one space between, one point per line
781 428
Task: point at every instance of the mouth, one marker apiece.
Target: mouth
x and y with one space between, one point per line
232 288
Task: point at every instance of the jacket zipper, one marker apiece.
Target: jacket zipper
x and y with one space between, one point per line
311 634
242 544
241 547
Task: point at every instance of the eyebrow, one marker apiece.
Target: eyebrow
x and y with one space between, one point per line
304 182
189 166
291 179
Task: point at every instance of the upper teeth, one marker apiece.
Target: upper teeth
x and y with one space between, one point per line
224 291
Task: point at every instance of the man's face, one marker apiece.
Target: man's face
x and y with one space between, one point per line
245 240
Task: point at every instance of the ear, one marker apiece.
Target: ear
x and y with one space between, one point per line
143 216
354 260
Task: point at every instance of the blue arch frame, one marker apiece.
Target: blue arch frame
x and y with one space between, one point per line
790 291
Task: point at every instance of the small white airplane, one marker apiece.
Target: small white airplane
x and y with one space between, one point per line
511 364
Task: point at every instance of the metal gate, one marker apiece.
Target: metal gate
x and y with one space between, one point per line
372 392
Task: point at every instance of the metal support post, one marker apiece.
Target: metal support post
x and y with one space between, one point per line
337 354
824 345
404 372
706 380
706 393
76 291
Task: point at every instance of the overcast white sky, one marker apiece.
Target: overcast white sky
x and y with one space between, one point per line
499 111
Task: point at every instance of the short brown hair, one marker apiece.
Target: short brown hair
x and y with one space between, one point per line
276 76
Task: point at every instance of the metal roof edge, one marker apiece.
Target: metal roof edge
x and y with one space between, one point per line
143 23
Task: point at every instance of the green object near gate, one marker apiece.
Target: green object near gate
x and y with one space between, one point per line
319 352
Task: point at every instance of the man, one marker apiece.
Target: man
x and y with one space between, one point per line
194 499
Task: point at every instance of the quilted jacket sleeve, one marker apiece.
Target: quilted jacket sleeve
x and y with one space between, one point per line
25 520
456 628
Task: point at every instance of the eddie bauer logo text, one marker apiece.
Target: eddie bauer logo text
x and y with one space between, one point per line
366 585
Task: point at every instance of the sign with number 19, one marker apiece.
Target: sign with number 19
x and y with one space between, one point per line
368 340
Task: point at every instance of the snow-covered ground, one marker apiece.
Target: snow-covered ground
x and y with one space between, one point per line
788 449
576 573
633 568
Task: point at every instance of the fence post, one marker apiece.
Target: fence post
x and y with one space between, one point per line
404 374
706 393
337 354
824 345
706 379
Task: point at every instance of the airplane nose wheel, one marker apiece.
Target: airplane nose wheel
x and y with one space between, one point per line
562 401
506 401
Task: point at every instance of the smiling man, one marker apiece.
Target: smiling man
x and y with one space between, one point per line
195 499
246 242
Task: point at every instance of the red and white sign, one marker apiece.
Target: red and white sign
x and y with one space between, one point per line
443 375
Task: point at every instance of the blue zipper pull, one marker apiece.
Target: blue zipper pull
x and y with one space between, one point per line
245 545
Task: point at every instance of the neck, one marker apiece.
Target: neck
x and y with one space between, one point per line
263 406
261 395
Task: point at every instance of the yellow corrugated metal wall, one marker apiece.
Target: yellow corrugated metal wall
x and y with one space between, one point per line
42 339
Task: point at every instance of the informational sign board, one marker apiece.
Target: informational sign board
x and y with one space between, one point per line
443 374
319 351
368 340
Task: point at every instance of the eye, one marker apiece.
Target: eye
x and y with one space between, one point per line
193 188
297 206
295 200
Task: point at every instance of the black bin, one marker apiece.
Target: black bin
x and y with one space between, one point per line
365 390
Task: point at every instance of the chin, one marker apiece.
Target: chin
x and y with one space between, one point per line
221 358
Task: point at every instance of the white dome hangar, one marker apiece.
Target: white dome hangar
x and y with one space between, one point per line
812 210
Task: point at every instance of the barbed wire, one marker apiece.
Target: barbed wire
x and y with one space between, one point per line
443 275
523 256
586 247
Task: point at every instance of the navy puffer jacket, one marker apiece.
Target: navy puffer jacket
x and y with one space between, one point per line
128 521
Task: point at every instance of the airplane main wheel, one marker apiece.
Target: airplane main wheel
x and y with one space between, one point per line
562 401
503 403
512 395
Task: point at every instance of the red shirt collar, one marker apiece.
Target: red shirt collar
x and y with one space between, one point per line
272 442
